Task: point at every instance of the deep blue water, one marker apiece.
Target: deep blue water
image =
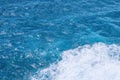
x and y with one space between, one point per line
34 33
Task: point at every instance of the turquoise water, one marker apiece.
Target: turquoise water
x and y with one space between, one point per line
37 36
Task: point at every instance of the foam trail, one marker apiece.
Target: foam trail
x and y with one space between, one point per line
96 62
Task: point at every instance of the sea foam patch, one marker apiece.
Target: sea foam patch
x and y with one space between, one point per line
96 62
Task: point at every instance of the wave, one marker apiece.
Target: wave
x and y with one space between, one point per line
89 62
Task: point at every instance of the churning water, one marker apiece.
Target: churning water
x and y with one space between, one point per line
59 39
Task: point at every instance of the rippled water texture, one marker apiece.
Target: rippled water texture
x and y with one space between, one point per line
35 33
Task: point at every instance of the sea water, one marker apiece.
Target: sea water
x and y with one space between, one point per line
59 39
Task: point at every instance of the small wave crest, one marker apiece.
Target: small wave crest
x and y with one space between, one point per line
96 62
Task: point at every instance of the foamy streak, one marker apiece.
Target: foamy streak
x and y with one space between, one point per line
96 62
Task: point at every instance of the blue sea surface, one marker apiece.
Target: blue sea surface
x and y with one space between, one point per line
35 33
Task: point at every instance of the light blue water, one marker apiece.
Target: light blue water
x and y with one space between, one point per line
34 33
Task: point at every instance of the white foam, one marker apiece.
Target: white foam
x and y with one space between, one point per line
96 62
